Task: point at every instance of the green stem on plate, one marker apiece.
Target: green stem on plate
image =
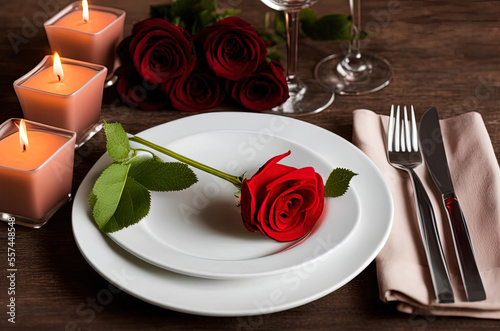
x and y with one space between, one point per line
235 180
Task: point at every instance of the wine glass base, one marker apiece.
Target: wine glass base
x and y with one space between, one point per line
378 75
308 97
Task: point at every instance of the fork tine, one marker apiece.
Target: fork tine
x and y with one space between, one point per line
407 131
403 144
390 130
396 133
414 138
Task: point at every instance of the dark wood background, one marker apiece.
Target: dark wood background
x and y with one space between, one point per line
444 53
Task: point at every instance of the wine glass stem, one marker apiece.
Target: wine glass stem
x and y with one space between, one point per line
292 36
354 66
355 44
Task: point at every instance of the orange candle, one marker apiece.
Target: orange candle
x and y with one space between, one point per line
70 98
91 38
76 77
42 146
36 172
98 20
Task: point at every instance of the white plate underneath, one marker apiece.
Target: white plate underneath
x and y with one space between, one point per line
199 232
297 285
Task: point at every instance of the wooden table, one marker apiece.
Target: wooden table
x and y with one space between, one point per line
444 53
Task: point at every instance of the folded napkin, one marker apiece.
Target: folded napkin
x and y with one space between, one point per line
402 269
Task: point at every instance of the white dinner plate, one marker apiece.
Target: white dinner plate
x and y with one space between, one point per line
199 231
332 264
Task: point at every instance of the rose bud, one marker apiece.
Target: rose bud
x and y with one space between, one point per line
282 202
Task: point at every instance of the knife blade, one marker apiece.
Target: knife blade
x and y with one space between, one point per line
435 157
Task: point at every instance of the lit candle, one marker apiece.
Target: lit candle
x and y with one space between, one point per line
65 94
87 33
85 11
15 151
52 79
36 171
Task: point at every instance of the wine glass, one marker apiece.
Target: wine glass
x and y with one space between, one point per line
354 73
306 95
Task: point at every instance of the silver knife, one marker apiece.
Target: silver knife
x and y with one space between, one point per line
435 157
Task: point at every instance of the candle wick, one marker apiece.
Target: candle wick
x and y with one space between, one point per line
24 148
85 20
59 77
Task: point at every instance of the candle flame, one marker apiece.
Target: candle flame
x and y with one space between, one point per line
57 67
85 13
23 136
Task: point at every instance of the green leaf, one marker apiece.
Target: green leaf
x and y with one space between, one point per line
92 200
160 11
183 8
210 5
308 16
338 182
134 205
107 192
117 142
205 17
362 35
230 12
329 27
280 23
160 176
184 13
178 21
275 55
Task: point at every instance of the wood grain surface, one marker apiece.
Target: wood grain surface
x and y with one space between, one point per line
444 53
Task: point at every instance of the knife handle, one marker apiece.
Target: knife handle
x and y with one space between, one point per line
432 244
463 247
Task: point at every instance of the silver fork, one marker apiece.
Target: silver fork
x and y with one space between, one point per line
403 153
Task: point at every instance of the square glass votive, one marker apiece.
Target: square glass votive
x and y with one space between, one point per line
94 41
34 182
74 103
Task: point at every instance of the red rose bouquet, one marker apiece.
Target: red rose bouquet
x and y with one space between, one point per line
281 202
159 66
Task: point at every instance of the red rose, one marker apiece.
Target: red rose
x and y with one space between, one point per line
197 91
282 202
262 90
232 47
122 50
160 51
135 91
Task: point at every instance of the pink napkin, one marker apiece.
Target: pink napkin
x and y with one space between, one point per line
402 269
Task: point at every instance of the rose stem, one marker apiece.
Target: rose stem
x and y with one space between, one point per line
235 180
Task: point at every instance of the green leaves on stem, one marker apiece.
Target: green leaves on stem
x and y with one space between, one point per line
121 195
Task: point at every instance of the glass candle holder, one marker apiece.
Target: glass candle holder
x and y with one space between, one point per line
73 103
93 41
36 179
